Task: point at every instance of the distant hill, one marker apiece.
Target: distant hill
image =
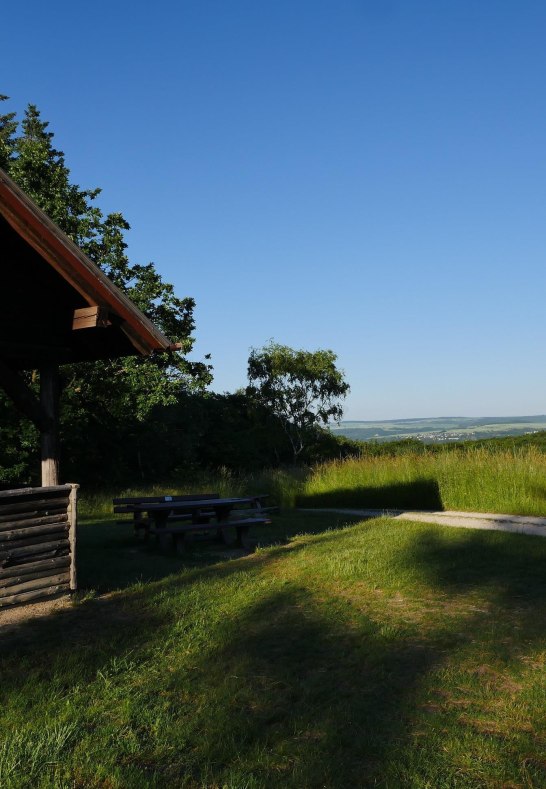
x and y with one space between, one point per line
441 430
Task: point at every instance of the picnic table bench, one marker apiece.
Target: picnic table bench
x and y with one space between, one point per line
173 519
133 505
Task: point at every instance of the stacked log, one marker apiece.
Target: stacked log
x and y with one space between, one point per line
37 543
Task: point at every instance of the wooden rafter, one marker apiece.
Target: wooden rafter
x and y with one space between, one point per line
90 318
35 227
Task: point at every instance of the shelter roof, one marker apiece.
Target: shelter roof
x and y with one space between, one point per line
56 305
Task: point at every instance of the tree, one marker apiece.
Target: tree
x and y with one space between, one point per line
302 389
8 128
40 170
103 395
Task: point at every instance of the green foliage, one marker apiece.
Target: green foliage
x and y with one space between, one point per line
536 440
109 397
40 170
301 388
8 128
19 440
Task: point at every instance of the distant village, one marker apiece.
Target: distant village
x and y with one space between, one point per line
435 434
465 435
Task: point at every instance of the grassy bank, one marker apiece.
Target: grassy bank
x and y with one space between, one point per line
471 479
478 479
383 654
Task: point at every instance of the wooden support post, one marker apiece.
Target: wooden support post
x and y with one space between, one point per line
49 400
73 521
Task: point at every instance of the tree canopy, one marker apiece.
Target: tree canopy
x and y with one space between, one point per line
29 157
303 389
146 420
122 390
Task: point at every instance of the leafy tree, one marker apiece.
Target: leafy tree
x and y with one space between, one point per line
302 389
41 172
108 395
8 128
214 430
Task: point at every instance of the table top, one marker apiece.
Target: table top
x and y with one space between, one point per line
196 504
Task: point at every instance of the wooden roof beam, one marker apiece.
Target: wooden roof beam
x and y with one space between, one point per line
90 318
71 263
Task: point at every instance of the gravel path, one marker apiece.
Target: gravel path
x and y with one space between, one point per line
518 524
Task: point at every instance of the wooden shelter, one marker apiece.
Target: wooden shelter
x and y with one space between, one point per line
57 307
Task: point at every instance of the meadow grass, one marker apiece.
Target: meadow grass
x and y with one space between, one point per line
480 479
384 653
470 479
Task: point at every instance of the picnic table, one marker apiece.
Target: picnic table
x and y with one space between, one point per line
173 519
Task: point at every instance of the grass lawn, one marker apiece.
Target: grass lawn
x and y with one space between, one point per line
381 654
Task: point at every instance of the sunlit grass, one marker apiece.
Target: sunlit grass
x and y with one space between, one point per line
381 654
472 479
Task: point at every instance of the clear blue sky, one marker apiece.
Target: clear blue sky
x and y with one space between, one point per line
363 176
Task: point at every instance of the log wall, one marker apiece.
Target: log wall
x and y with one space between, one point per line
37 543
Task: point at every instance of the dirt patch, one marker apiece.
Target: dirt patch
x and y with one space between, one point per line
76 618
14 616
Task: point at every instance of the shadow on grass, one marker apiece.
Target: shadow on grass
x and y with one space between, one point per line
421 494
111 558
460 560
306 698
289 692
130 618
538 492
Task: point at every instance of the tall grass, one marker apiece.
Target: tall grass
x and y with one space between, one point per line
471 479
26 755
479 479
282 485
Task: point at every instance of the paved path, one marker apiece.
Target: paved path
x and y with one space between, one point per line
518 524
